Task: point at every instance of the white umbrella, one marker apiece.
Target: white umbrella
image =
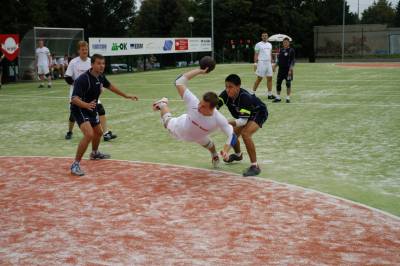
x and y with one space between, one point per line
278 38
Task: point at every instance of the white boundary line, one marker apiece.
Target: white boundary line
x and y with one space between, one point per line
261 179
26 98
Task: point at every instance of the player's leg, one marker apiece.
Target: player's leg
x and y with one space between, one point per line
97 134
247 133
269 74
41 73
107 135
210 146
87 132
237 155
71 123
279 81
48 75
288 88
1 75
257 83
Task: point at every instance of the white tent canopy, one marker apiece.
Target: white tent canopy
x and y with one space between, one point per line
278 38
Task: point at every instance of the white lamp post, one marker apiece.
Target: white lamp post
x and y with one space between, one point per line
191 20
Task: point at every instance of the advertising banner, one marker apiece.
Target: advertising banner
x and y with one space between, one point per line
139 46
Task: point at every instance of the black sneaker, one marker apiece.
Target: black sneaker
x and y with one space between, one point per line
252 171
41 86
271 97
234 157
287 101
68 135
99 156
276 100
109 136
49 86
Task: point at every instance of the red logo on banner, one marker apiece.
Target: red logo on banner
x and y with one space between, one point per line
10 45
181 44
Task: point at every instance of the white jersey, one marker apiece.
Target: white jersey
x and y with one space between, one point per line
42 55
264 50
194 126
75 68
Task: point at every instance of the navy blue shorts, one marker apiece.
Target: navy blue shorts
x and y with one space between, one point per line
84 115
259 117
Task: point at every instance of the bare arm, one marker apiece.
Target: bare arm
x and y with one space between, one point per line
181 82
122 94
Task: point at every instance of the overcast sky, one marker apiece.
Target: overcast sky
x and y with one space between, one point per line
364 4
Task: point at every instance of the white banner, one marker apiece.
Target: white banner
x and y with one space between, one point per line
137 46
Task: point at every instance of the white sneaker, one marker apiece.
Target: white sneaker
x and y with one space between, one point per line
156 105
215 161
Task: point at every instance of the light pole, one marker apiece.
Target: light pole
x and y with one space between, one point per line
212 28
191 20
344 13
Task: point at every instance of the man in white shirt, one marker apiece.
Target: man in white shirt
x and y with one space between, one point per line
262 64
200 120
43 63
75 68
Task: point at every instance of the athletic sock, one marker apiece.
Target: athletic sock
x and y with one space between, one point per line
269 93
278 97
254 164
238 154
287 97
213 154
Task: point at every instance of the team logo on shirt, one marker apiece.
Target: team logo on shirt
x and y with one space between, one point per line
10 45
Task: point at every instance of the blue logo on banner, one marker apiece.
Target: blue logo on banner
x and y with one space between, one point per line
168 45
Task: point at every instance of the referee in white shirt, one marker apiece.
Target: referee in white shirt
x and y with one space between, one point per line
262 64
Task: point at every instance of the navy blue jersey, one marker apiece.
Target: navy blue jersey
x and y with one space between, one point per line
245 105
88 87
286 58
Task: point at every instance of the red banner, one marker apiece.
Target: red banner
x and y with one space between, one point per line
181 44
10 45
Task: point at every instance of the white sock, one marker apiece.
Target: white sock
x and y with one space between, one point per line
269 93
278 97
287 97
255 164
238 154
213 154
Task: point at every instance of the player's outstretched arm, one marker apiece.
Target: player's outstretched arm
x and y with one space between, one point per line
182 81
122 94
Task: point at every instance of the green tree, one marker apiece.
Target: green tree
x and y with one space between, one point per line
396 20
380 12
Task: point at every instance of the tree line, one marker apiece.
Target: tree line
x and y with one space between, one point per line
239 21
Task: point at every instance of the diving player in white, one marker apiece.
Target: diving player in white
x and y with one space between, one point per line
200 120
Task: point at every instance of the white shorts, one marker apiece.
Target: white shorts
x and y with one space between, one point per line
43 70
175 128
264 69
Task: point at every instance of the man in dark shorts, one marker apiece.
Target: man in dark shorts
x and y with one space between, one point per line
85 95
250 113
286 59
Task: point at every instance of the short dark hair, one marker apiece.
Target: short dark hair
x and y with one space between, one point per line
211 98
286 39
235 79
96 56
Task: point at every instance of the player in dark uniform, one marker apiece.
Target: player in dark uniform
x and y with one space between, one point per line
286 59
87 89
250 113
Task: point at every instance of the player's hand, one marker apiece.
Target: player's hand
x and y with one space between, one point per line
224 155
91 106
204 71
132 97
